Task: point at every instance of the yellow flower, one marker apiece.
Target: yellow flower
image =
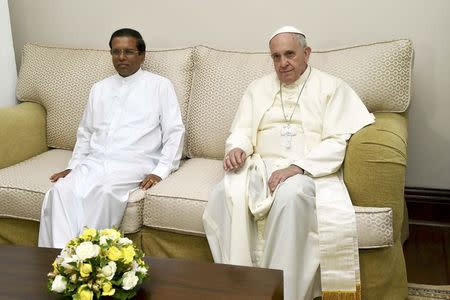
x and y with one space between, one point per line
107 289
85 270
88 234
128 254
84 293
73 243
111 234
114 253
55 266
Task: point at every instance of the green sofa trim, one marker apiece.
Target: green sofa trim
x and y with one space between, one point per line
22 133
26 232
374 173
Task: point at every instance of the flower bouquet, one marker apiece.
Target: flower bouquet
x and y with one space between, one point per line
98 263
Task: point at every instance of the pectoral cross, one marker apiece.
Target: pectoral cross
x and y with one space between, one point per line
287 132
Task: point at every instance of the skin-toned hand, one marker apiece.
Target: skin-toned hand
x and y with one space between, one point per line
56 176
281 175
149 181
234 160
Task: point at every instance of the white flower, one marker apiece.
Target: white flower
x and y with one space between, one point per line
109 270
142 270
103 240
139 269
135 265
64 253
129 280
125 241
66 263
59 284
87 250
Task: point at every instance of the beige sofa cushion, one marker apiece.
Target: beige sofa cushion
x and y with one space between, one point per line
220 79
177 204
60 79
379 72
23 186
374 227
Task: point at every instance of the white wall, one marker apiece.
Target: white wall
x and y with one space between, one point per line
246 24
8 75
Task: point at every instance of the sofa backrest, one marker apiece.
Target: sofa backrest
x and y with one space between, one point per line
380 73
209 84
60 79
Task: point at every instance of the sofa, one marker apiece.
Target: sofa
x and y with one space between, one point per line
38 135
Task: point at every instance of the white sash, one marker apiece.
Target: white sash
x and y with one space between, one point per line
339 258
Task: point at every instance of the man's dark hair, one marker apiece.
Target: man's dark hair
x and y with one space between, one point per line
140 44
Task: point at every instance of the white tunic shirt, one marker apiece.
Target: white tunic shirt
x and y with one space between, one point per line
131 120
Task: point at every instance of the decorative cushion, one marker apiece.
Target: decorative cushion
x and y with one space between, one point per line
23 186
177 204
60 79
380 73
374 227
220 79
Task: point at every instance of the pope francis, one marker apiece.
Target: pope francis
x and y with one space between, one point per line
282 203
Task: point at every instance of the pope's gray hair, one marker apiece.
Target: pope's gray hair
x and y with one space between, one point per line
301 39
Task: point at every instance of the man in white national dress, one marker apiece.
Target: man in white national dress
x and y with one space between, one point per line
130 136
282 203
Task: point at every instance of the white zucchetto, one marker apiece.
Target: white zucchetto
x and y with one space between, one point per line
284 29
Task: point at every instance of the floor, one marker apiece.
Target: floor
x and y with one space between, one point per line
427 254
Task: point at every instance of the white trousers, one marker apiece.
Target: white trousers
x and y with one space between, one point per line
92 195
290 234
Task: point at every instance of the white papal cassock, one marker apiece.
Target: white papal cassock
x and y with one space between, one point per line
297 228
131 127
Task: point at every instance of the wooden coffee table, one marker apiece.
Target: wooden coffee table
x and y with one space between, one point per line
23 275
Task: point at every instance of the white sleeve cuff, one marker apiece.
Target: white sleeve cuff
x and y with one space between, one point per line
161 171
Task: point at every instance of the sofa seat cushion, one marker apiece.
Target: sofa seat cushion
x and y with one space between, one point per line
177 203
23 186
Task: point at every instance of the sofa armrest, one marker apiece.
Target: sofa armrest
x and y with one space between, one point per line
375 165
22 133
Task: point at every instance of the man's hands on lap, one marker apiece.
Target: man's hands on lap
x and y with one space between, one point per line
149 181
281 175
56 176
234 159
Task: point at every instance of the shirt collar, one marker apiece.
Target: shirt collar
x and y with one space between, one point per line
130 79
